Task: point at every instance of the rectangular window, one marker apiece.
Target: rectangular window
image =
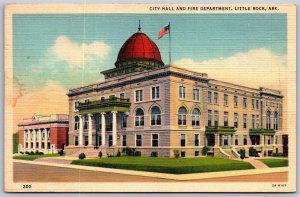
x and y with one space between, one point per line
236 120
85 122
253 121
216 118
257 104
154 140
110 140
209 97
197 153
100 140
138 141
196 140
216 95
138 95
236 140
86 140
196 94
209 118
122 95
252 104
225 140
257 121
182 140
124 140
76 140
245 120
182 154
124 121
235 101
155 92
244 102
225 100
245 139
225 119
182 92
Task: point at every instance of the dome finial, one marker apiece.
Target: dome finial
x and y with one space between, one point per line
139 25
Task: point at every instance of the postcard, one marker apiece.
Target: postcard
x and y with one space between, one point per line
150 98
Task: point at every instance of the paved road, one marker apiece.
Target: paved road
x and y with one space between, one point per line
37 173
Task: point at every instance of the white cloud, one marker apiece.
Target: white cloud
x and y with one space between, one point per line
76 54
254 68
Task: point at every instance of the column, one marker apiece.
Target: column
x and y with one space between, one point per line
40 138
274 140
90 130
233 140
29 139
46 139
34 139
103 128
80 140
24 140
262 140
217 140
114 129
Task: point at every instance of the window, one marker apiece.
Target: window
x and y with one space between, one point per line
244 102
225 140
182 116
235 101
76 140
253 121
269 139
155 92
196 140
122 95
155 116
197 153
138 95
100 140
209 118
182 92
245 120
257 104
182 154
138 141
196 117
236 140
225 119
139 117
236 120
196 93
86 140
110 141
276 139
209 97
276 121
252 103
216 97
124 140
76 104
216 118
182 140
257 121
225 100
268 120
86 122
245 139
154 140
124 121
76 126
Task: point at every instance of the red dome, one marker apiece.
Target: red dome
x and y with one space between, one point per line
139 46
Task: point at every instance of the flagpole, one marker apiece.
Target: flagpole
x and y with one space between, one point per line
169 44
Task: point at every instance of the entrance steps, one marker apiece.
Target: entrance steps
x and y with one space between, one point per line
228 153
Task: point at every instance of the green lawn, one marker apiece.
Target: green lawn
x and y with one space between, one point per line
273 163
33 157
167 165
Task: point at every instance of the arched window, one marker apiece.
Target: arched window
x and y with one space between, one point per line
155 116
182 116
276 120
196 117
139 117
76 126
268 120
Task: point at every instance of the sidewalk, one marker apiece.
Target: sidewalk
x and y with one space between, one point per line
256 163
157 175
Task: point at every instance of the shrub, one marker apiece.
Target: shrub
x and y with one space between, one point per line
37 152
137 153
32 153
154 154
27 153
129 151
100 154
81 156
205 150
253 152
22 153
176 154
118 153
41 153
61 152
242 152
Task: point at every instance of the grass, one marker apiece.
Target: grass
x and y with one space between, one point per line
167 165
274 163
33 157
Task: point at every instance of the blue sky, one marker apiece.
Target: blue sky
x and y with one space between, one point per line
198 37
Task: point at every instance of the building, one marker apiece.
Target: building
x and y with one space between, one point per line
164 110
46 134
